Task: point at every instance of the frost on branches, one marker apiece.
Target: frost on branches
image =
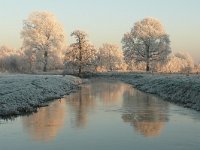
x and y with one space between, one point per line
81 54
110 58
11 60
181 62
146 42
43 38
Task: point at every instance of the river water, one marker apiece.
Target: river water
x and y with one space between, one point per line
104 115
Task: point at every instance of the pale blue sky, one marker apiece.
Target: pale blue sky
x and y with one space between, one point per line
108 20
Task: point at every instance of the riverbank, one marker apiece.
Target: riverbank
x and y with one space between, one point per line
22 94
180 89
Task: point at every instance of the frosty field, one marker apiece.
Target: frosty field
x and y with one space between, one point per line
21 94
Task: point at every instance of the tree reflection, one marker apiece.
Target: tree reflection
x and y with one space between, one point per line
84 102
110 93
81 103
146 113
45 124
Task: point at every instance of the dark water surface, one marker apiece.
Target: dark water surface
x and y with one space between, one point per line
104 115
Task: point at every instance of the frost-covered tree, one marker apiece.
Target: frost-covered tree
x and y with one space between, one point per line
187 58
42 35
81 54
6 51
180 62
30 58
110 57
11 60
196 68
146 42
135 66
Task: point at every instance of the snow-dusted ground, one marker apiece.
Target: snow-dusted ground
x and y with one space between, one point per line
179 89
25 93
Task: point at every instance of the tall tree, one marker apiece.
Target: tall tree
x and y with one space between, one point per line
146 42
81 53
43 34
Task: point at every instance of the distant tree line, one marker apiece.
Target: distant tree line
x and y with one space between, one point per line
145 48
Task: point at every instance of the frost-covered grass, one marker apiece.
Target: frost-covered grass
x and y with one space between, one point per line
180 89
21 94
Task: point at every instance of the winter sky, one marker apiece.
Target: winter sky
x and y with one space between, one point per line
108 20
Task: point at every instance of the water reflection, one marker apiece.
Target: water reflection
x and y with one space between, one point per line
109 92
80 104
104 115
90 97
45 124
146 113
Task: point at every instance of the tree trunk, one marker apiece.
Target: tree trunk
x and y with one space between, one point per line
111 69
30 65
45 61
80 58
147 67
147 58
79 70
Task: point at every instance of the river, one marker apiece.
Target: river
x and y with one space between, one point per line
104 115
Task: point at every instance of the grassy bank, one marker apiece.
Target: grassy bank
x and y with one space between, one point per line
21 94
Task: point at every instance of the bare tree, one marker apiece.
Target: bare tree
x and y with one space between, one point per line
146 42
